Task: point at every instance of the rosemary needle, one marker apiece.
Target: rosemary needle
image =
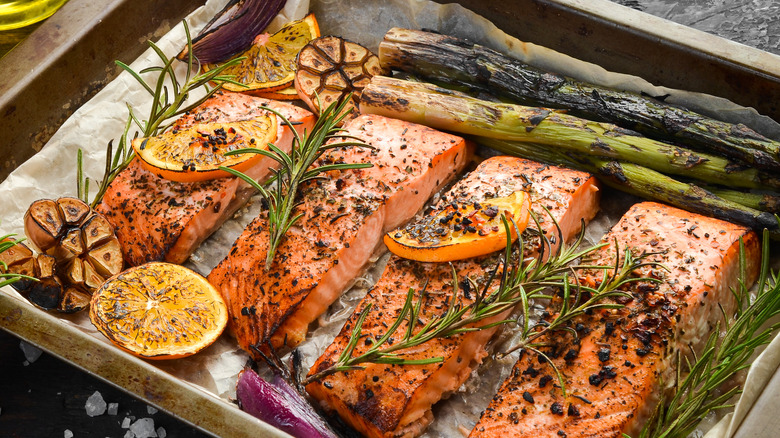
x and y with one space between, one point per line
164 106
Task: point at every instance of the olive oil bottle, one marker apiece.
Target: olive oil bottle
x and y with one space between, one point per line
19 13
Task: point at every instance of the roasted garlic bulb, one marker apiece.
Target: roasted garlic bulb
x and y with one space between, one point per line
330 68
78 251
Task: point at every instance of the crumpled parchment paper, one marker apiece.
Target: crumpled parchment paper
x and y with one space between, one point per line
51 173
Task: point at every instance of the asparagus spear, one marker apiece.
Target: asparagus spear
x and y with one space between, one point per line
759 201
653 185
643 182
448 59
446 109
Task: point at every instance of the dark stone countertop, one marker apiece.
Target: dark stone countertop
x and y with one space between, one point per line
754 23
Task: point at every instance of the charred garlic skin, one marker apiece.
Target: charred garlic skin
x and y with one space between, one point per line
77 252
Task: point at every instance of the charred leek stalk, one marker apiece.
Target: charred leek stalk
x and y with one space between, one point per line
757 201
448 59
442 108
650 184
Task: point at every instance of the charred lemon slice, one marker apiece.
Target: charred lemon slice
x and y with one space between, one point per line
195 153
457 232
330 68
270 63
159 311
289 93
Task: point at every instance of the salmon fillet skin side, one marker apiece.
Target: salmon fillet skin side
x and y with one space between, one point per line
156 219
622 360
345 216
396 400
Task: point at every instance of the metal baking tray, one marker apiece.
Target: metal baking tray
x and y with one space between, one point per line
70 57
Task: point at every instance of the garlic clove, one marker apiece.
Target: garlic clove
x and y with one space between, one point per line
45 293
107 258
47 266
73 210
74 272
96 230
92 280
43 224
15 254
71 245
18 259
73 300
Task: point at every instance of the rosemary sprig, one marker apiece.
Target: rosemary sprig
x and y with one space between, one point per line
576 298
521 281
296 168
165 106
697 393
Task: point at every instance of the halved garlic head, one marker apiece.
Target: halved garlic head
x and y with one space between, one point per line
79 251
331 68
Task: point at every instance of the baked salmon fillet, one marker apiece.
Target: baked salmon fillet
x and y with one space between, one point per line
614 368
396 400
344 218
156 219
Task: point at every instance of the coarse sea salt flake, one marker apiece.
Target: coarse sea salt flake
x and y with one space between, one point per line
113 408
126 423
31 352
68 434
144 428
151 410
95 405
129 434
161 433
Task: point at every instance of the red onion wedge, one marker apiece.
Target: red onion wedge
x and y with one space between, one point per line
279 404
232 30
